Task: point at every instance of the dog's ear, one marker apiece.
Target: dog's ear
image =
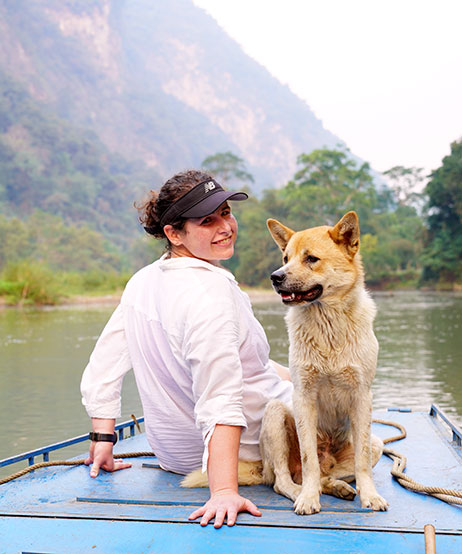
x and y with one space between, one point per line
280 233
346 233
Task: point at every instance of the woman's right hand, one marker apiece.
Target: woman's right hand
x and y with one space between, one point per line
101 457
224 504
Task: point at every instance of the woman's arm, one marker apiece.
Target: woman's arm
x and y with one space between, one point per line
109 362
101 385
222 473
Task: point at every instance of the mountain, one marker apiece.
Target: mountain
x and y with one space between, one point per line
157 83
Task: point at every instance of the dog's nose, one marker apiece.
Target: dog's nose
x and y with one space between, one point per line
277 277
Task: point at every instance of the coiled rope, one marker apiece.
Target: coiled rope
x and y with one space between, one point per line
399 465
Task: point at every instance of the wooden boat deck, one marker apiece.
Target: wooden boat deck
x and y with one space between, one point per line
62 510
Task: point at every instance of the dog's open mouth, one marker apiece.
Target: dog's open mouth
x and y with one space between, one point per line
301 296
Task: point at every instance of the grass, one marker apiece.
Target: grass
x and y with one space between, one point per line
33 283
29 282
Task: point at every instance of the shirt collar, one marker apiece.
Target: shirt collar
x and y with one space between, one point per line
186 262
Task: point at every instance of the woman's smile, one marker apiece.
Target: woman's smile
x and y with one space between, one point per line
224 242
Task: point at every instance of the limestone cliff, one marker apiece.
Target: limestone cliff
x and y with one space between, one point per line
157 81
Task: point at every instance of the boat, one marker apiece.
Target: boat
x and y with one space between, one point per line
62 510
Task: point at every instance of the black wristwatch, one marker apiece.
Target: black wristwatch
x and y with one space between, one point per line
103 437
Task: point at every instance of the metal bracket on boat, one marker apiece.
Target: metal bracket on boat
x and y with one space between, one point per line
456 433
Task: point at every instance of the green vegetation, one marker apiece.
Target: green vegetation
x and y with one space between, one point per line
327 185
29 282
407 239
47 239
49 165
442 256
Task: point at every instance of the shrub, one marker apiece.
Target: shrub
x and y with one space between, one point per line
29 282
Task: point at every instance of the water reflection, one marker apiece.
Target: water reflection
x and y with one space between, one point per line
420 348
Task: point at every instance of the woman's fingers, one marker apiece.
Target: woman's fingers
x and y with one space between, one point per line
106 463
220 518
232 516
94 469
251 508
197 513
119 464
221 507
207 517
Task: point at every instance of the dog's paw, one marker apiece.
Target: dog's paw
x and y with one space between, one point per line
374 501
340 489
307 504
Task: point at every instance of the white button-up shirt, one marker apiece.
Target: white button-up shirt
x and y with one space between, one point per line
199 355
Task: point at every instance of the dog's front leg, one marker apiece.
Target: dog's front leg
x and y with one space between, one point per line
306 419
361 427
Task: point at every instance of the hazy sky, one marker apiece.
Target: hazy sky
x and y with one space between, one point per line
386 77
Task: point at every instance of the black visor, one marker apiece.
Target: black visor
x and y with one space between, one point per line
200 201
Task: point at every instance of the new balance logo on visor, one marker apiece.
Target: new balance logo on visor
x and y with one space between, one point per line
209 186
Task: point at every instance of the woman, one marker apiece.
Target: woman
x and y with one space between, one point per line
199 355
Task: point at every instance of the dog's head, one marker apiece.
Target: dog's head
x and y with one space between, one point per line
319 263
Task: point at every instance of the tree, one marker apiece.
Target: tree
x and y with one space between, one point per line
443 249
50 240
227 168
328 185
407 184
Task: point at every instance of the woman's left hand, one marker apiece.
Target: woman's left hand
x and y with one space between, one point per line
224 504
101 456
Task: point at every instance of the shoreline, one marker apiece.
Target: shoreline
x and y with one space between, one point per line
112 299
256 295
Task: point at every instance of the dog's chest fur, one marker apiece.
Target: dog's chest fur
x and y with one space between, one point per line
333 352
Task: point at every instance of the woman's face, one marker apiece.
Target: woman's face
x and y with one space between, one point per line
210 238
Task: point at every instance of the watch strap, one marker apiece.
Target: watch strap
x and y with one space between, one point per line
103 437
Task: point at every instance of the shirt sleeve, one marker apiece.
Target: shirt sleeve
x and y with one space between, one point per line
211 350
102 379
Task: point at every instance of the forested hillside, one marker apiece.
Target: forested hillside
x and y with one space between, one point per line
157 81
408 238
50 165
102 100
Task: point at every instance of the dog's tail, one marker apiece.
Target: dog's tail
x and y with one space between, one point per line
249 473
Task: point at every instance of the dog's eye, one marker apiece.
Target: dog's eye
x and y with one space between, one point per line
285 259
312 259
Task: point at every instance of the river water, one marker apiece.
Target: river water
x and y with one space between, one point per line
43 353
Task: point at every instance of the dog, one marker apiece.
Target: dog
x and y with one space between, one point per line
332 358
326 442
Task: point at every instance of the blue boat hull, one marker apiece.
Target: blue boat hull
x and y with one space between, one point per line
143 509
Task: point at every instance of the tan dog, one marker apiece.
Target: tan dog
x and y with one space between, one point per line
333 356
